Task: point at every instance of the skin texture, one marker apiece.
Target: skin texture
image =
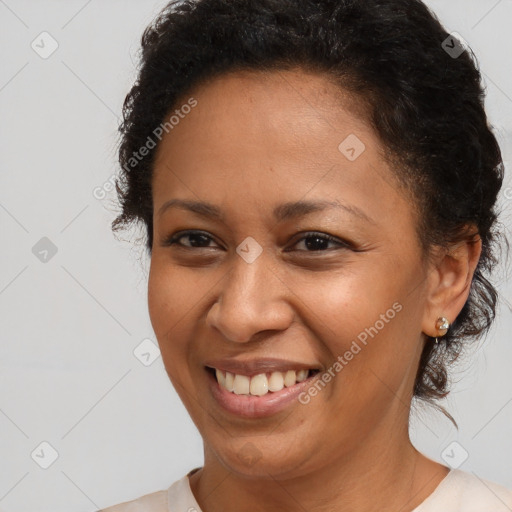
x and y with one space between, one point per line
255 141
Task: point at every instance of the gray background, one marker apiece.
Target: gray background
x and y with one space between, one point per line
70 325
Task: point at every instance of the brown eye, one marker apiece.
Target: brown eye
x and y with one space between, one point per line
197 239
319 242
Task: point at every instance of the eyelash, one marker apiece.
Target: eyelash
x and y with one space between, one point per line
173 240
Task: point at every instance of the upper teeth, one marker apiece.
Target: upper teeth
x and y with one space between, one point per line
260 384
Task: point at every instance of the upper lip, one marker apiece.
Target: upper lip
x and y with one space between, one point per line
251 367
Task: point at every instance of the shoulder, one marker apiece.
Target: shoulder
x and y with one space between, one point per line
178 496
154 502
461 491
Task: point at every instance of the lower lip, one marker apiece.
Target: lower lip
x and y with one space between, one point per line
249 406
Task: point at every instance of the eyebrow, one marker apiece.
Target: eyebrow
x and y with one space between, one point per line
282 212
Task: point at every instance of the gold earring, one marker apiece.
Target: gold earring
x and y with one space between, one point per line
442 324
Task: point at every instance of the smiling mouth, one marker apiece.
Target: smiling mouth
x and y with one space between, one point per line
261 384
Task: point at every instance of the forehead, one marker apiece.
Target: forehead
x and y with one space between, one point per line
266 137
291 101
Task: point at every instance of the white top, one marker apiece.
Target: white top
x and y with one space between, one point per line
458 492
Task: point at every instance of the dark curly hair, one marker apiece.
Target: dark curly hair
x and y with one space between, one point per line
424 102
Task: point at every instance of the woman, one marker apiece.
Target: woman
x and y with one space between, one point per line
317 180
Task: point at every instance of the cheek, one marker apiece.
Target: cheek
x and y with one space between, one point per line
379 359
171 296
177 304
169 302
162 304
344 303
368 321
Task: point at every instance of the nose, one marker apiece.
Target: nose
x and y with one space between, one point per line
253 299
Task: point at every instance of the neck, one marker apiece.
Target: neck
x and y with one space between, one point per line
374 476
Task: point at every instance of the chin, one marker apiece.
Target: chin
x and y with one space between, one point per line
253 457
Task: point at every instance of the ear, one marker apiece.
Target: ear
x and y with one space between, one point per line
450 276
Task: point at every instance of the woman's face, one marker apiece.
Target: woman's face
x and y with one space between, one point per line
255 292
